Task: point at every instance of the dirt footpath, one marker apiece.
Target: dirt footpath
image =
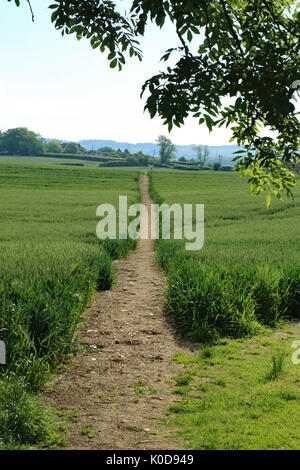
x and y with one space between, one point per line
115 394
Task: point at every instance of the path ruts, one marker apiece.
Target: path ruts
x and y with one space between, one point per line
117 393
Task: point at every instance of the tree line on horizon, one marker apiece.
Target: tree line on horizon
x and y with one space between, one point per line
24 142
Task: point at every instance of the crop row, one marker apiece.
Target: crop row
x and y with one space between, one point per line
235 285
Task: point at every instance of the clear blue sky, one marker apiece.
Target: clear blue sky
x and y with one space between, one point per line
61 88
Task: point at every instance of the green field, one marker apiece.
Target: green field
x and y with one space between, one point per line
43 161
50 257
248 272
58 162
234 393
243 283
51 262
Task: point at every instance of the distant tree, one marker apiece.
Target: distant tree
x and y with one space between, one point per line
53 147
206 154
105 150
71 147
21 141
202 154
199 153
220 159
131 161
182 159
217 166
167 149
141 158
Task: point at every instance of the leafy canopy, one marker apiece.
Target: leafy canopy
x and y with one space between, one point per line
21 141
53 147
71 147
202 154
167 149
247 50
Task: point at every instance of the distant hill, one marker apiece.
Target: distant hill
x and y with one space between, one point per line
148 148
227 151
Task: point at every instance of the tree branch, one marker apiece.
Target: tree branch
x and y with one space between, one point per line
32 15
278 23
234 34
185 46
207 35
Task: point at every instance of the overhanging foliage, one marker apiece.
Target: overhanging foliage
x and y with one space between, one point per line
247 50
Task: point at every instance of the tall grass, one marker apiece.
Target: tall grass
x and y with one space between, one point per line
277 367
248 273
42 298
51 263
23 421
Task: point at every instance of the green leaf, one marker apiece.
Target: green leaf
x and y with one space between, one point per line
113 64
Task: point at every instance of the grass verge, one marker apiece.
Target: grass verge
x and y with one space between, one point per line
244 395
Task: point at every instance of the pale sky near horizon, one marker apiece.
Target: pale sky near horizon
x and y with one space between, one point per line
61 88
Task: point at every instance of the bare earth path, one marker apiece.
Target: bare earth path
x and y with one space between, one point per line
116 393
